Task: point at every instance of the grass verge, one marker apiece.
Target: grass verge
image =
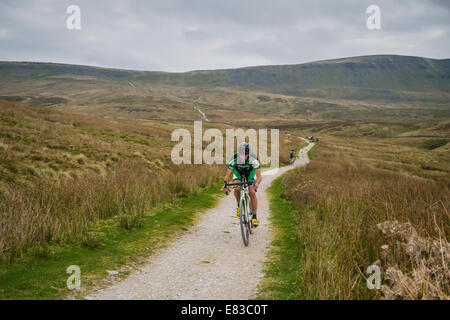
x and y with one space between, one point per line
310 152
283 271
300 147
43 275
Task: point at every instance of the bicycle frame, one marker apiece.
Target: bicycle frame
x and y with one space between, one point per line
244 191
245 195
245 219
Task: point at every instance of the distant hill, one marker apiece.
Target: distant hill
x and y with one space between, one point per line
383 87
386 77
383 77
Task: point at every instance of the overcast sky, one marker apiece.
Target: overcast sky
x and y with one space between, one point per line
182 35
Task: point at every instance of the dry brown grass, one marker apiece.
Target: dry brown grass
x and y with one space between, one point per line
59 172
341 198
60 211
40 143
427 260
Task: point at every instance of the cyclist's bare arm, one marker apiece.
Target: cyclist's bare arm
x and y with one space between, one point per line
258 177
227 178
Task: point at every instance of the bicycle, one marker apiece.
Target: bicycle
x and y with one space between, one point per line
292 161
245 220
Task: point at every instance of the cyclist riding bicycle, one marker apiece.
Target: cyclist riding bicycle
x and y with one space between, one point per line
245 164
292 156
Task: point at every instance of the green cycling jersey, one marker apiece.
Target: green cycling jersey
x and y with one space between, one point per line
246 168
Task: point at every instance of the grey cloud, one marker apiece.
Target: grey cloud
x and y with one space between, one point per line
443 3
181 35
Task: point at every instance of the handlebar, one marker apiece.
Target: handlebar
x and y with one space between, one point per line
245 183
239 183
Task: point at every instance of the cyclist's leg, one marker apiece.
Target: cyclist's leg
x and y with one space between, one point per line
237 190
252 193
253 201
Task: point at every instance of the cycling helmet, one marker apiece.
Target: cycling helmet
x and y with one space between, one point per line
244 148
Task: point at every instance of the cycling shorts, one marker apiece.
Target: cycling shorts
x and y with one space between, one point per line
238 176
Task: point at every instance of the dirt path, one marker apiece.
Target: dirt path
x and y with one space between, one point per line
208 260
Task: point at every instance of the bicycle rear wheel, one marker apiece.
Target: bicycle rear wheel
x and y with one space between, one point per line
244 224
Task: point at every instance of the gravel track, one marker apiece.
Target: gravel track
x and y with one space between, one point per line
206 262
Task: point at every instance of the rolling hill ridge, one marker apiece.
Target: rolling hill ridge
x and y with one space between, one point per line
380 75
324 89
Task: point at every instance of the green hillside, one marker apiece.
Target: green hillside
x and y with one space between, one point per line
383 87
385 77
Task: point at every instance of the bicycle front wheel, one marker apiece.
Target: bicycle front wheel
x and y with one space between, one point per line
243 217
249 218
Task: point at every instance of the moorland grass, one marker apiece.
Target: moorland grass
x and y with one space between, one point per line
325 218
42 274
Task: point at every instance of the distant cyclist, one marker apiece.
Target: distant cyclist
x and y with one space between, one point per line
292 156
245 164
